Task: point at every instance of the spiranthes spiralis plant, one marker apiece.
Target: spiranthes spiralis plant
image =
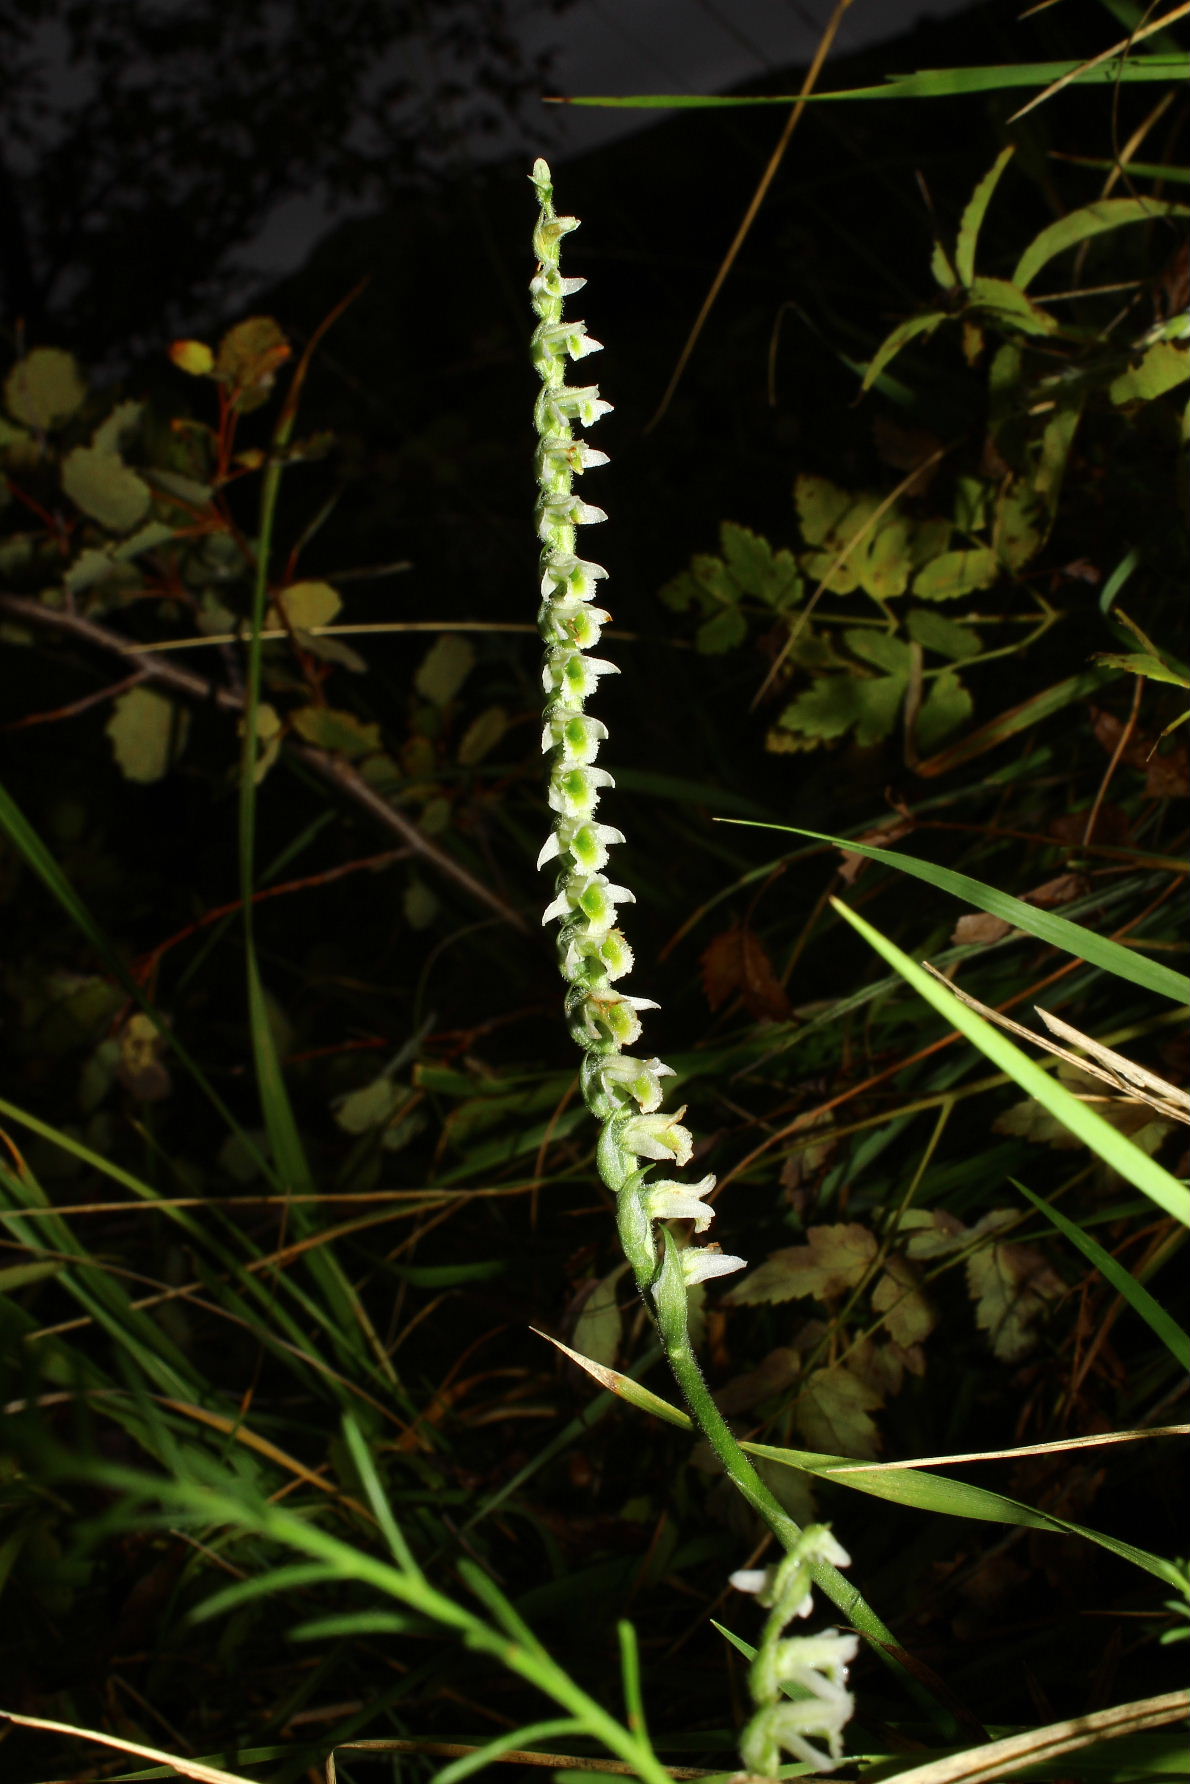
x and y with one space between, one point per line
623 1092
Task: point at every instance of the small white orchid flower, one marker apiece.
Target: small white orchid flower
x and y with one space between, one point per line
657 1136
681 1201
586 843
573 577
577 623
622 1078
553 339
592 894
584 405
567 510
573 733
602 1015
550 283
571 675
701 1263
750 1579
578 949
574 791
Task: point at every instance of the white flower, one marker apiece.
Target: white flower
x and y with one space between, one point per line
577 947
586 843
571 675
574 790
657 1136
561 407
573 577
681 1201
592 894
553 339
621 1077
572 455
550 283
565 510
599 1014
702 1262
750 1579
572 732
789 1725
572 622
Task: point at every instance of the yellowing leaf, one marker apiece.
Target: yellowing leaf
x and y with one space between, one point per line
306 604
103 487
833 1414
368 1107
333 729
908 1315
1021 525
1162 367
444 669
45 388
194 357
836 1258
1012 1286
249 357
141 1069
146 731
268 739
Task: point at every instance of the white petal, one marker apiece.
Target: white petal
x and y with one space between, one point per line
702 1262
750 1579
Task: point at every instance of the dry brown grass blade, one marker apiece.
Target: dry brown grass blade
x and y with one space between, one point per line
1128 1080
1027 1449
515 1756
1117 49
185 1768
1000 1759
758 197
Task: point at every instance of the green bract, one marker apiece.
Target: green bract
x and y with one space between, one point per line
623 1092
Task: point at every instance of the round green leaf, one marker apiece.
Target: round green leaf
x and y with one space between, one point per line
45 388
103 487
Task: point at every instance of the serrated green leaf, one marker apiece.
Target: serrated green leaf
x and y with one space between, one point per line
1079 226
956 573
147 731
1006 302
947 705
1162 367
770 576
1012 1286
722 632
820 507
909 330
1143 662
444 669
908 1316
972 219
103 487
1021 524
44 389
945 637
1056 440
885 561
333 729
879 648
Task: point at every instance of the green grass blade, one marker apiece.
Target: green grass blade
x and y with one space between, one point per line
1171 1334
1079 226
516 1739
1135 1166
376 1496
901 1485
1057 932
927 83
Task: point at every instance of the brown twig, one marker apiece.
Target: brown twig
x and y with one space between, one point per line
333 769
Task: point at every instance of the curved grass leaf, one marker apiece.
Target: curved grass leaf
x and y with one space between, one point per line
1057 932
1135 1166
1079 226
927 83
972 219
1171 1334
902 1484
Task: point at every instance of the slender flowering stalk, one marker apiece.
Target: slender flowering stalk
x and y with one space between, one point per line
622 1091
814 1665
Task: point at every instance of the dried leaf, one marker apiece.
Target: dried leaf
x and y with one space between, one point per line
736 963
778 1371
909 1318
833 1414
883 837
140 1069
1012 1287
834 1260
980 927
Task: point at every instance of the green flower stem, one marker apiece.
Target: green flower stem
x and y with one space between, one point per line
623 1092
